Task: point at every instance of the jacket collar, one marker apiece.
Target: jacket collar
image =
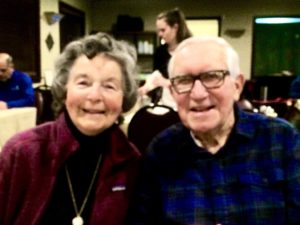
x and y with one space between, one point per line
121 149
245 125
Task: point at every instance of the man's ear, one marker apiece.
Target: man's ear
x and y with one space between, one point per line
239 85
171 90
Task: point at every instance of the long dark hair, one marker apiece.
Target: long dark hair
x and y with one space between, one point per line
176 16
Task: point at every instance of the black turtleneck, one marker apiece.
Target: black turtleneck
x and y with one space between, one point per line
81 166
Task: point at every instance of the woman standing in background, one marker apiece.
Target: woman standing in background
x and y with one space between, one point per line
171 29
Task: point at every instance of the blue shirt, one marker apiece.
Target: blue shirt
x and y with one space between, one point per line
17 91
294 91
253 179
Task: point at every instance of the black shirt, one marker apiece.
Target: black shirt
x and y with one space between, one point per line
81 166
161 60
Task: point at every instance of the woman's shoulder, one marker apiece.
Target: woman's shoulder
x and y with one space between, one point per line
43 138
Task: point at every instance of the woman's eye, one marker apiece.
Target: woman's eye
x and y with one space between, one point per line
110 86
82 83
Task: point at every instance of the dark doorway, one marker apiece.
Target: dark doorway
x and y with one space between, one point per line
72 26
20 34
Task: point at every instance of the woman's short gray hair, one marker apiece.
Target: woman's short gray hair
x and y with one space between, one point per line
120 51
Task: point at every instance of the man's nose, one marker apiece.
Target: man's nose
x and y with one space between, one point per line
198 89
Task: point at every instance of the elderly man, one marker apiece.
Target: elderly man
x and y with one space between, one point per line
16 88
221 165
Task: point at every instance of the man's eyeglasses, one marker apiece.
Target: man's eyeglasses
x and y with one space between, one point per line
3 70
210 80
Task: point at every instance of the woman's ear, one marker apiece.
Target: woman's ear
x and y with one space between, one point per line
176 26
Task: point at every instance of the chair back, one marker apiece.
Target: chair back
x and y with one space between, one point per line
148 122
43 102
39 104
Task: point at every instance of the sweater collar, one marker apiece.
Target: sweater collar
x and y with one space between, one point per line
120 149
244 122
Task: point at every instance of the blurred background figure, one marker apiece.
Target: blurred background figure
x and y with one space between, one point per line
171 29
16 89
294 91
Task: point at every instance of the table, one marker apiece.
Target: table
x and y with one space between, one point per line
280 105
15 120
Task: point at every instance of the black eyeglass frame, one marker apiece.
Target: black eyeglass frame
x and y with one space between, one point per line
200 76
3 70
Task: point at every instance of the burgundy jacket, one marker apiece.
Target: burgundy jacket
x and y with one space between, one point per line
29 163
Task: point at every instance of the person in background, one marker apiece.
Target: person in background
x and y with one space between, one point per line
171 29
80 168
16 89
294 91
221 165
293 111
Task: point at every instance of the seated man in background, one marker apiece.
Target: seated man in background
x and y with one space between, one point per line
294 91
221 165
16 88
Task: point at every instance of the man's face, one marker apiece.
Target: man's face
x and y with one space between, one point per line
5 70
205 110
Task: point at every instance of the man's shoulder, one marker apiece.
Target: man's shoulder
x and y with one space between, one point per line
173 134
169 152
170 141
18 75
253 123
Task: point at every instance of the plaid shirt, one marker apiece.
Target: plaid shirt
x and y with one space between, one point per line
253 179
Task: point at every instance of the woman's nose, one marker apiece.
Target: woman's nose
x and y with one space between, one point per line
160 34
95 93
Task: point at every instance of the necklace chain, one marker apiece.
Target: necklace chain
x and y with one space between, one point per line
78 213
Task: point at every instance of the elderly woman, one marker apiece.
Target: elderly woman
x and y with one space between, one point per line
80 168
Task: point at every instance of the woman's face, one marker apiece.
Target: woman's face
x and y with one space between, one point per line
165 31
94 94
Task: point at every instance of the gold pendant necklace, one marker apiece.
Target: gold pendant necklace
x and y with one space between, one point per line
77 220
